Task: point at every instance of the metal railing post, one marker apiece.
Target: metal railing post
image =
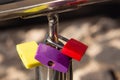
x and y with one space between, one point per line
53 35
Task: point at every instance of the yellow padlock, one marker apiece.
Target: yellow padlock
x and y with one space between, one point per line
36 9
27 52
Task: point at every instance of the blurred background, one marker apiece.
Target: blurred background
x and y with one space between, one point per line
97 25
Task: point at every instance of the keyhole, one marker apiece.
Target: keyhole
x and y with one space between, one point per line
50 63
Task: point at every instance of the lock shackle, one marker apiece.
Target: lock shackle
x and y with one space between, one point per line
63 38
49 41
53 43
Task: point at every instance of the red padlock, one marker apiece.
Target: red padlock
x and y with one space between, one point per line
72 48
76 2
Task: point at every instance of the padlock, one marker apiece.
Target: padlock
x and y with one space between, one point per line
76 2
53 58
27 52
36 9
72 48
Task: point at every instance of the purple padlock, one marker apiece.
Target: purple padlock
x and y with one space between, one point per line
52 58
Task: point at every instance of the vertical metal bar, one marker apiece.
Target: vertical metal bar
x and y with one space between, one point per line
71 71
53 35
69 75
37 74
53 27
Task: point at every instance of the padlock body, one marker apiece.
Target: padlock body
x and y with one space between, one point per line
75 2
52 58
74 49
27 52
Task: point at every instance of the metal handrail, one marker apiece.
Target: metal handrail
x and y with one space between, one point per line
43 9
